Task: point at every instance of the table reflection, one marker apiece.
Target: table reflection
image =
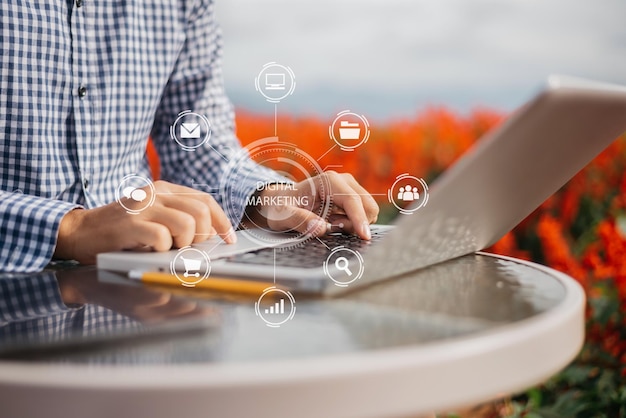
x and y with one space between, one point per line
55 311
82 315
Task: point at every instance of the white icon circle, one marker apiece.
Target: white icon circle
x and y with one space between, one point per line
131 193
353 131
190 130
190 266
348 266
282 310
275 82
408 190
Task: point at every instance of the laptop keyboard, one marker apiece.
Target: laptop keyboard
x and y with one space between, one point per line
310 254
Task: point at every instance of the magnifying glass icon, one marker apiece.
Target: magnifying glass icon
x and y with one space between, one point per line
342 264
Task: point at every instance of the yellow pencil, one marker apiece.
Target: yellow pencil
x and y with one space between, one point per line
217 284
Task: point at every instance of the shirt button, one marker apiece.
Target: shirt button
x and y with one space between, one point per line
82 91
79 3
85 184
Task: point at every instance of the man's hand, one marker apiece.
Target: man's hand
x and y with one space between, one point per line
292 207
179 216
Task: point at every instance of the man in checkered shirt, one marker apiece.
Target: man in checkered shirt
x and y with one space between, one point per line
83 84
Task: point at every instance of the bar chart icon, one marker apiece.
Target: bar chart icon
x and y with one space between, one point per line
274 312
278 308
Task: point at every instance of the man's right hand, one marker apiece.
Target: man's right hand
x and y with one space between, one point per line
179 216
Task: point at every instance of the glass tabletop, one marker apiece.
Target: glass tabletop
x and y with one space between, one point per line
82 315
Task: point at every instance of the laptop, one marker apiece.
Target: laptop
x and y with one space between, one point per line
490 189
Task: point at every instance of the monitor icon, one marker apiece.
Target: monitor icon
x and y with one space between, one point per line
275 81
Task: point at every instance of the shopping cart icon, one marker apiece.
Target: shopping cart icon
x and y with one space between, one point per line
191 264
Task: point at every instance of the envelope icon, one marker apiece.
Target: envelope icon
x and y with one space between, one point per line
190 130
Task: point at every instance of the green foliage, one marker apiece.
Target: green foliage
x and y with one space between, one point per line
594 385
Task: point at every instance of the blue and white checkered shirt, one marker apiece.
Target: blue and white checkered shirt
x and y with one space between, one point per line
32 310
83 84
34 314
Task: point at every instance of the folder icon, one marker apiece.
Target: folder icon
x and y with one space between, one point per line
349 130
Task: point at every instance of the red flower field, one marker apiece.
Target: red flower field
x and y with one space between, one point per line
581 230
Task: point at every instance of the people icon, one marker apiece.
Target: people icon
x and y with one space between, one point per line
407 194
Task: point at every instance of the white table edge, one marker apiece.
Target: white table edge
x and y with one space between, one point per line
426 377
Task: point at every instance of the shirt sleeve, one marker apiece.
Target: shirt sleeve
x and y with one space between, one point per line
29 226
196 84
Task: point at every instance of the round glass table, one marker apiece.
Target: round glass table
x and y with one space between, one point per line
78 342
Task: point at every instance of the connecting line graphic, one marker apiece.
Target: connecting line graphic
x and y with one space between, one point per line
360 194
329 150
275 119
203 185
173 193
218 153
213 247
332 166
323 243
274 265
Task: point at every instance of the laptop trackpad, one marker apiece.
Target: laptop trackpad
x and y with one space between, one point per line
216 248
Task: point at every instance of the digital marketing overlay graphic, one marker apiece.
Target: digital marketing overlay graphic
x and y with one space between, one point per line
190 266
349 130
305 188
344 266
275 306
190 130
275 82
135 193
408 194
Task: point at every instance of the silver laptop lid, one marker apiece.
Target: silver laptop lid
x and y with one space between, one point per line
505 176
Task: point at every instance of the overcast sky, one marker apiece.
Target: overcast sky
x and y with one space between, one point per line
393 57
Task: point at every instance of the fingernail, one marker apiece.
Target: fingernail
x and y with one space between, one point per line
231 237
316 227
366 230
